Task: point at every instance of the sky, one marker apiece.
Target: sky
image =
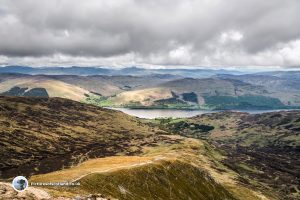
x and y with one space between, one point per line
235 34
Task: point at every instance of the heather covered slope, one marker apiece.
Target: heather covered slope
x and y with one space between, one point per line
54 139
264 149
35 132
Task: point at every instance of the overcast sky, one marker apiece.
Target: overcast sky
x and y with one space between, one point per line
209 33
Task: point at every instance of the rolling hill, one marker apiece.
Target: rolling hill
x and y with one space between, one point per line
58 85
270 82
212 93
112 85
37 85
160 91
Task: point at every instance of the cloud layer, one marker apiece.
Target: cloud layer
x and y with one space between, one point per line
154 32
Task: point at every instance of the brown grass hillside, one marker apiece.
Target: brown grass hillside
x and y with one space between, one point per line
54 88
42 135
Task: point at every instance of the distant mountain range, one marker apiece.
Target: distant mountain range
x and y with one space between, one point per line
133 71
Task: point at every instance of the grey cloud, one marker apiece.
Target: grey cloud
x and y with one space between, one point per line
153 31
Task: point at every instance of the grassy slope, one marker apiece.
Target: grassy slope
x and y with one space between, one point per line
98 84
54 88
189 168
145 97
112 85
166 180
